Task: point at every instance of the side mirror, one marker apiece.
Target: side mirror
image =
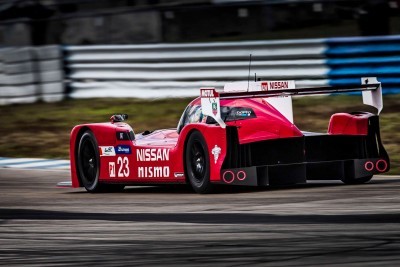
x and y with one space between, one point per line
118 118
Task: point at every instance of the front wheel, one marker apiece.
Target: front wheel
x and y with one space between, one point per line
197 163
361 180
88 162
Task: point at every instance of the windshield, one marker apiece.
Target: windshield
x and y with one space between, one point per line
193 114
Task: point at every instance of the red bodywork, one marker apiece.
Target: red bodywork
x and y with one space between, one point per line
158 157
350 124
142 170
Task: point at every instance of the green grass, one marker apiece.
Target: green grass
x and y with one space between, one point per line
42 129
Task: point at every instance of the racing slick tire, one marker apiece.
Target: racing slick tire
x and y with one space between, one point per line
88 162
361 180
197 163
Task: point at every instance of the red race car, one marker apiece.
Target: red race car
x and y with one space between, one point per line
242 136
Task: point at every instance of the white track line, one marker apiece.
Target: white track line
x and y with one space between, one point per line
33 163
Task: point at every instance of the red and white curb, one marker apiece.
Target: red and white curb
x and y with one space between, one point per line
34 163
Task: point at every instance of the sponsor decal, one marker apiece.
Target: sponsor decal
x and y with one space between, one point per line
274 85
208 93
214 108
264 86
122 136
216 151
123 149
243 113
111 169
278 85
178 174
107 151
152 154
153 172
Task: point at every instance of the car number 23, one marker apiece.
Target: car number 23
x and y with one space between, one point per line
122 167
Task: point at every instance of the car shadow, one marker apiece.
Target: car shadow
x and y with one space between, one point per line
231 189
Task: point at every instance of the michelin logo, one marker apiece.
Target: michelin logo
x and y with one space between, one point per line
216 151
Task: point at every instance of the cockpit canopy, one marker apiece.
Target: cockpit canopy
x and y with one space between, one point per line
193 114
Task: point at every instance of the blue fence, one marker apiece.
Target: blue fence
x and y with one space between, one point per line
349 59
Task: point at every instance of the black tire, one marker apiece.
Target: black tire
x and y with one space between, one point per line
88 162
197 163
361 180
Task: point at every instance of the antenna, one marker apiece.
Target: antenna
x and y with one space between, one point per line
248 76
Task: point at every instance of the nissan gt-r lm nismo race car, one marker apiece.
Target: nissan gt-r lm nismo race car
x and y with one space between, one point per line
242 136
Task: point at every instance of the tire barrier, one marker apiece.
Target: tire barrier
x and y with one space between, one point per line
29 74
171 70
178 70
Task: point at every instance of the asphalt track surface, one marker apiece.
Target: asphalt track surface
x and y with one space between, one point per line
318 224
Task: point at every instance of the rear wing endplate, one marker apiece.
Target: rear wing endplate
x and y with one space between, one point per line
373 97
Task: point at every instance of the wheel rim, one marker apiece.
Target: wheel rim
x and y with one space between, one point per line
88 161
197 162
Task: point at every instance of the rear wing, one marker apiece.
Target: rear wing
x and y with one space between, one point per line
280 93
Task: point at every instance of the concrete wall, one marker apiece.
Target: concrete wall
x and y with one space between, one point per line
128 28
17 34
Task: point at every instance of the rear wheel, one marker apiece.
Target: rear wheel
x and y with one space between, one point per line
88 162
361 180
197 163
